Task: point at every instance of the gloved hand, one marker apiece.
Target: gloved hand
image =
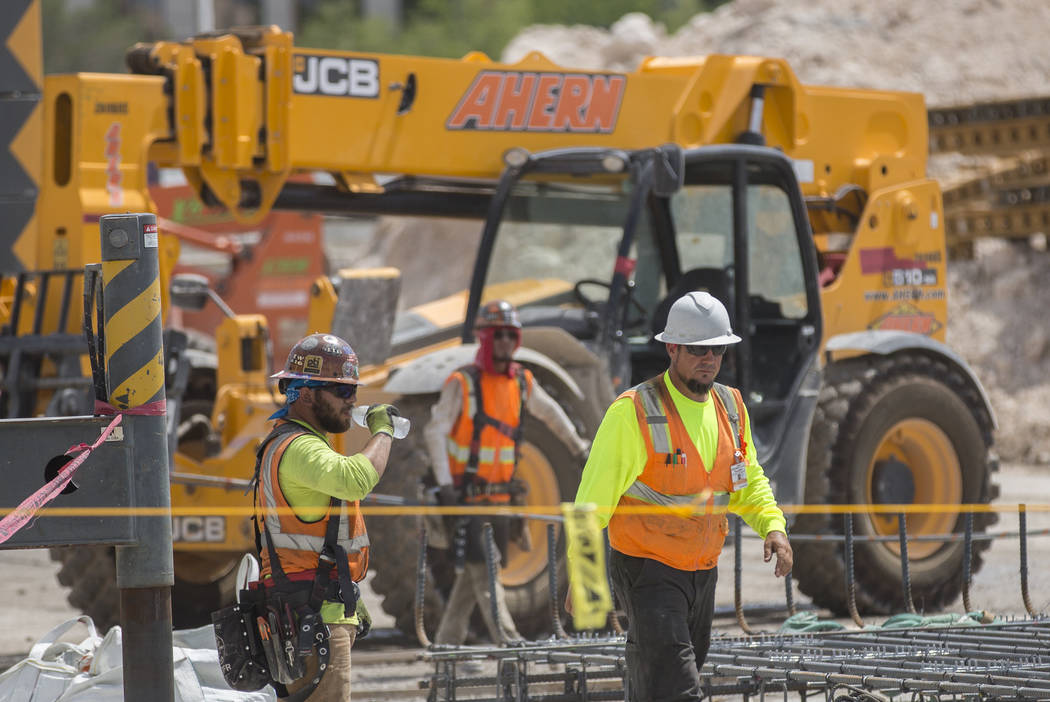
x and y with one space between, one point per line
380 419
364 619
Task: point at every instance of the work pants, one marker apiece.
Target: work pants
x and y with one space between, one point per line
669 613
335 683
472 587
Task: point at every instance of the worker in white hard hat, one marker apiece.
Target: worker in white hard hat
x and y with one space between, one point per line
679 439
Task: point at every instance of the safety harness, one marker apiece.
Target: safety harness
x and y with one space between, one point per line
472 486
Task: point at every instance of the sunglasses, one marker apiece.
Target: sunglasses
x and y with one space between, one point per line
501 334
702 350
341 390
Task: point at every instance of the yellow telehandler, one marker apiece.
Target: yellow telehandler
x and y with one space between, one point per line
600 198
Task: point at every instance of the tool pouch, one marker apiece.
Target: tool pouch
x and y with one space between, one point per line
241 655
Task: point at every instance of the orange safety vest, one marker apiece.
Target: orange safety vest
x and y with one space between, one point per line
484 442
296 542
675 476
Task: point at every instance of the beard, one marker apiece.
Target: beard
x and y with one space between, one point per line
330 420
695 386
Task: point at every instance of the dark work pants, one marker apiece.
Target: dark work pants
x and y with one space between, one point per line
669 613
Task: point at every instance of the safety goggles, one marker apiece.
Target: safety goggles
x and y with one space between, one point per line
341 390
509 333
702 350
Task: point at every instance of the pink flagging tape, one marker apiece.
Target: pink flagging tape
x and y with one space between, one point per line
29 507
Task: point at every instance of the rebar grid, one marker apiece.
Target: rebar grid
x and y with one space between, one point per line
1001 661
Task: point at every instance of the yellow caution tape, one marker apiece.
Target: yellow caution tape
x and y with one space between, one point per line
588 583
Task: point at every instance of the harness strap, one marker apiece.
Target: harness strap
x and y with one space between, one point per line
726 396
481 419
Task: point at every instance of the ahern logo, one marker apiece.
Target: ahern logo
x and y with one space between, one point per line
522 101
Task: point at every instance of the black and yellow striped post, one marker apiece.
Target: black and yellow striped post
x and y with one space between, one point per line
134 357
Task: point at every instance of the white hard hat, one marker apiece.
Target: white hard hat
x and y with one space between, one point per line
698 319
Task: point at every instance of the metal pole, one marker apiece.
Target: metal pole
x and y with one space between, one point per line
135 377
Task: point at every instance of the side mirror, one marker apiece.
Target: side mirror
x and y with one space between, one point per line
668 170
189 291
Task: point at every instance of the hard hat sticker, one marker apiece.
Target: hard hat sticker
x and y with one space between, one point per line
312 365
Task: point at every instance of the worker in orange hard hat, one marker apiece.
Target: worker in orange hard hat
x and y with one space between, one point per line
473 440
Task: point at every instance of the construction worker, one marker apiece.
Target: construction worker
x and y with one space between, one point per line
678 439
473 439
322 545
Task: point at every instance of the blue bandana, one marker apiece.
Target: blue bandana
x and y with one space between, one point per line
291 394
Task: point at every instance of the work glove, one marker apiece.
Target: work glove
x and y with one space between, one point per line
380 419
364 619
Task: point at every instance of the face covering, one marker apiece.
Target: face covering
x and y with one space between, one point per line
483 359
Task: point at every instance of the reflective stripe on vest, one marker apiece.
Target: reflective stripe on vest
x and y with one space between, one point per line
460 453
655 417
641 491
298 549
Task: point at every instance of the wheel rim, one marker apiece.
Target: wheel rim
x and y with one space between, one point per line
930 456
538 473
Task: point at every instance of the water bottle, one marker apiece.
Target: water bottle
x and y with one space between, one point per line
401 424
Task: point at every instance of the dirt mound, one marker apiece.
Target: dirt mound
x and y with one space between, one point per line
953 51
997 309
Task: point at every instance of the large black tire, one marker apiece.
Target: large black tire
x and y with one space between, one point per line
552 473
880 421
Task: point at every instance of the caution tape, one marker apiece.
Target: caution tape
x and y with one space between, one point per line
589 586
538 512
25 511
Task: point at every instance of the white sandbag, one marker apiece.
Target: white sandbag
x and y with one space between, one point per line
92 671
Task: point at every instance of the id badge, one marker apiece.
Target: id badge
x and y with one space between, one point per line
738 471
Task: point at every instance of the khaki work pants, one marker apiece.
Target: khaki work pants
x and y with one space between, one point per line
472 587
335 684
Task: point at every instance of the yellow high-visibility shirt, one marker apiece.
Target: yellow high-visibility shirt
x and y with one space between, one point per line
618 456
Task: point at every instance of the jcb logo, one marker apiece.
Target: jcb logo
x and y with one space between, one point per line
197 529
336 75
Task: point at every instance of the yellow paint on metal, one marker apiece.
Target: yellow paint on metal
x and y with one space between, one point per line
936 473
141 386
132 318
24 42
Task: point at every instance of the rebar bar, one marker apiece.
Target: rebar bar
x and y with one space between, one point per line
738 574
552 583
902 532
967 574
493 571
1022 526
421 585
851 586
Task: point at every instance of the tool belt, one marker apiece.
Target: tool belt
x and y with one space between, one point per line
268 636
